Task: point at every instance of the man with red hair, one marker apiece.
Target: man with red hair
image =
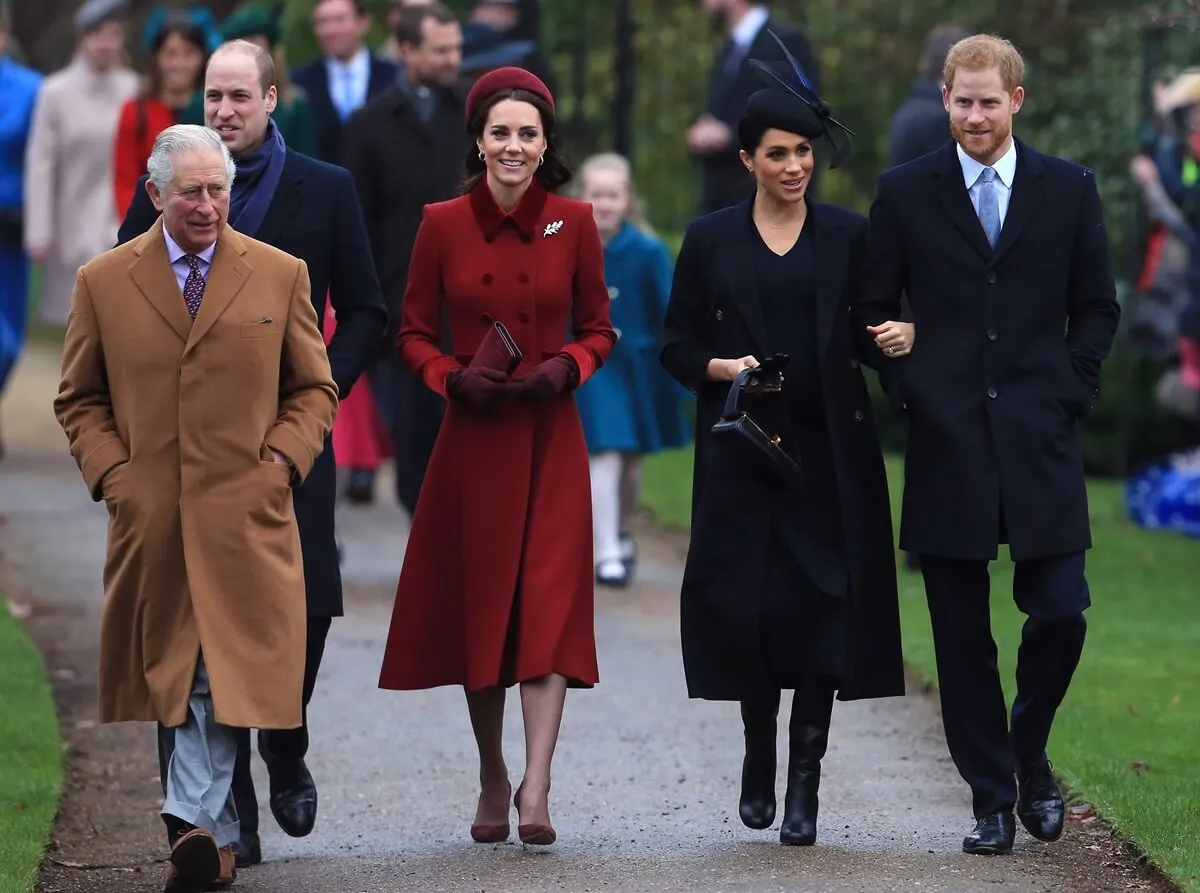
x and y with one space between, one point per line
1003 256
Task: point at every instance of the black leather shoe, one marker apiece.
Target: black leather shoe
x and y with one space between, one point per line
247 851
756 807
993 835
293 796
1039 802
360 488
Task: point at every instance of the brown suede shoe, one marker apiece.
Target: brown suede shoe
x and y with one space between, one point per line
195 863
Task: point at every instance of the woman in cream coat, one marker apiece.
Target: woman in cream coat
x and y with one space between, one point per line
69 216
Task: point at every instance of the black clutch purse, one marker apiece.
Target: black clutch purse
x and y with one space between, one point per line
746 438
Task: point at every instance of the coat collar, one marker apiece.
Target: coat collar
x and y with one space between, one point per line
285 203
155 278
1024 201
491 217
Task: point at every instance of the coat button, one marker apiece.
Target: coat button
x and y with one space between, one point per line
523 278
524 317
485 318
991 392
991 335
853 363
487 279
991 277
720 316
858 415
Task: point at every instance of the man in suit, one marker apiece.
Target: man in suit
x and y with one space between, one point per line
1002 252
310 210
920 125
712 138
405 150
346 75
196 389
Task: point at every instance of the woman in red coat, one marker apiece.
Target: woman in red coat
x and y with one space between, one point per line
496 588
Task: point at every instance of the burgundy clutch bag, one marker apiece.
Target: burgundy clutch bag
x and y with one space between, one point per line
498 350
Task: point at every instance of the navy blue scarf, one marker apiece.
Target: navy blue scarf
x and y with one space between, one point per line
254 186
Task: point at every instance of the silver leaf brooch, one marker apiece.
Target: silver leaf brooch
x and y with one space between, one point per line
552 228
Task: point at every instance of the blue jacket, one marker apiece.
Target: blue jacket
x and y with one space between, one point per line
18 92
631 404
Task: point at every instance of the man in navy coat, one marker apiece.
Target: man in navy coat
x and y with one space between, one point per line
310 210
1003 254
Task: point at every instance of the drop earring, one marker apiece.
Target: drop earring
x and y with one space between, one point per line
541 160
482 157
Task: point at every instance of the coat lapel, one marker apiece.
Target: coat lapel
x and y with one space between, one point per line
737 262
154 277
952 193
1024 200
285 204
226 276
830 250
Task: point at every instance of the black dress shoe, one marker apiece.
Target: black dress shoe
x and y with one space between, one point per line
756 806
1039 802
293 796
360 488
247 851
993 835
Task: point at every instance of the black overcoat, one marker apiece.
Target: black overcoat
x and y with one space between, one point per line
315 216
1007 356
715 311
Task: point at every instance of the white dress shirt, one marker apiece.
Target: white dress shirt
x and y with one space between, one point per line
742 37
1005 168
176 256
349 81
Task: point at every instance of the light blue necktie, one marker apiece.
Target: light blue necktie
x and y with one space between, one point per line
989 205
346 106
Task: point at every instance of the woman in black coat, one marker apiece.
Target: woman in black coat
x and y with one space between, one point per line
784 588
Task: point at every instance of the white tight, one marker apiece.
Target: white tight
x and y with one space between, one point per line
606 505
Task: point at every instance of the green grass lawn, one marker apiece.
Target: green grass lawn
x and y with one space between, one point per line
30 757
1127 740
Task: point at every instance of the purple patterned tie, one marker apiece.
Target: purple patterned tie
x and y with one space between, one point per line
193 287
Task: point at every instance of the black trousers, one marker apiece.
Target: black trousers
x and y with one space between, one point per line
412 414
1053 594
287 743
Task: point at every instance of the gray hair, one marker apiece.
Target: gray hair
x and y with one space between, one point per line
184 138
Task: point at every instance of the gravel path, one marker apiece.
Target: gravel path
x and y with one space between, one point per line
645 785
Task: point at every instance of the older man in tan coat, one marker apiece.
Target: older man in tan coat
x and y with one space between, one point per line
196 392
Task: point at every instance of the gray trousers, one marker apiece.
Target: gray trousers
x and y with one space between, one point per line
200 774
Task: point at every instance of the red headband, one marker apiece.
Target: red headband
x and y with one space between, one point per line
509 78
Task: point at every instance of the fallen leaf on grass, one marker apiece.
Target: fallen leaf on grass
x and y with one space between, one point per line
19 610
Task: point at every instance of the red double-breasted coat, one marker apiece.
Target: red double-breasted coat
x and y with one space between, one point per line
497 582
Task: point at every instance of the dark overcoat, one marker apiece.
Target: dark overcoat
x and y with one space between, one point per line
315 216
715 311
1007 355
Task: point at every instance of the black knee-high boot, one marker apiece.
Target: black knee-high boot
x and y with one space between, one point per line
812 707
757 805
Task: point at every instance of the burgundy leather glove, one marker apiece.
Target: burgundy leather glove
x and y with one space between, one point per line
478 387
549 378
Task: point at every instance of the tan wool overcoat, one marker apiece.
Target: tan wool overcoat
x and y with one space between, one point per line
172 423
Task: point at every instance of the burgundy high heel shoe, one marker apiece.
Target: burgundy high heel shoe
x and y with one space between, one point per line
483 833
535 833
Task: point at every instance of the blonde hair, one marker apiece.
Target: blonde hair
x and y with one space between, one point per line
618 164
981 51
